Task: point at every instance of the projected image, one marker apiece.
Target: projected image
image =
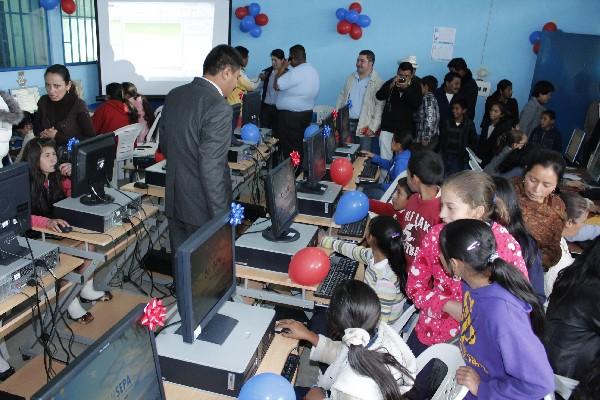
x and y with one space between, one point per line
162 40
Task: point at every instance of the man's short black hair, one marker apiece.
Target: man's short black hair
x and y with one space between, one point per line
221 57
430 81
428 166
450 76
542 87
406 66
550 113
278 53
297 52
369 54
244 52
460 101
458 64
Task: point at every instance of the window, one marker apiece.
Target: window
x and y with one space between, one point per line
79 33
23 34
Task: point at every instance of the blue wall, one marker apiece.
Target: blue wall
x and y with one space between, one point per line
403 28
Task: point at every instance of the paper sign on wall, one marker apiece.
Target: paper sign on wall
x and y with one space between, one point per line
442 47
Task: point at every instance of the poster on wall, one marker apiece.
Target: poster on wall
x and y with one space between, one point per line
442 47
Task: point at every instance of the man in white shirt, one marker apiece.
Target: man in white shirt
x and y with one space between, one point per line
297 89
360 89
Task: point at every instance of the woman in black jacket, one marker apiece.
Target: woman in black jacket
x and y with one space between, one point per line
503 94
572 335
490 133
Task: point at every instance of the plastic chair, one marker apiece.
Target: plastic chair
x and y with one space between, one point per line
564 386
150 145
322 111
400 325
474 161
449 355
387 196
127 136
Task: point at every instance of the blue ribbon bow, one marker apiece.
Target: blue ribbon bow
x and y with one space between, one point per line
326 131
349 103
237 214
70 144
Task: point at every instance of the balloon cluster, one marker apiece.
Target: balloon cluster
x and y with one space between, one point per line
68 6
251 19
351 21
536 36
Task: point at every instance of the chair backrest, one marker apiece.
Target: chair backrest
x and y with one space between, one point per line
564 386
406 323
152 132
127 136
474 161
387 196
449 355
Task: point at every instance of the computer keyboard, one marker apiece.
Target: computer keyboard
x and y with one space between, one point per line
355 229
369 171
290 366
342 269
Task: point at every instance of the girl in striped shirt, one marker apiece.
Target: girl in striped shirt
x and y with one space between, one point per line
384 259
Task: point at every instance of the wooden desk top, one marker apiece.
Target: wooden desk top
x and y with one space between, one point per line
30 378
103 239
265 151
156 191
272 362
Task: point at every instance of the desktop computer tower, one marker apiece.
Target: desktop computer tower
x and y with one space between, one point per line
320 205
349 151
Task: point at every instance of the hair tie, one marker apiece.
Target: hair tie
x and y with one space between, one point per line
356 337
395 235
473 246
493 257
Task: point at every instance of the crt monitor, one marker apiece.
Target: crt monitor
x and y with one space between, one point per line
122 364
315 166
15 210
93 162
343 126
205 279
593 167
330 140
574 145
282 203
251 108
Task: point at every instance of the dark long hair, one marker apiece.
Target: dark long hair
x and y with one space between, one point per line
388 237
115 91
584 268
503 84
472 242
131 90
42 199
355 305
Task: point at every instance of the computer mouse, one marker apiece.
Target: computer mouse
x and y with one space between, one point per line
65 229
140 185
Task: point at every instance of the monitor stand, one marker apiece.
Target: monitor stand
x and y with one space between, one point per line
310 187
96 196
218 329
290 235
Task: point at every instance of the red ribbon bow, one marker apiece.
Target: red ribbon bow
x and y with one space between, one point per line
154 314
295 158
241 96
334 114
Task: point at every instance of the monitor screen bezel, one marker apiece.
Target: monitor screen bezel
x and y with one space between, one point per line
279 229
344 124
310 144
74 368
191 329
330 141
594 159
18 171
583 135
81 185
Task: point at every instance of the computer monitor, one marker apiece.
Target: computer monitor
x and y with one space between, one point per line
251 108
205 279
343 126
93 162
15 210
574 145
593 167
122 364
315 166
282 203
330 141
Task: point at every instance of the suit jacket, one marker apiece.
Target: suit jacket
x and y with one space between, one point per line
195 135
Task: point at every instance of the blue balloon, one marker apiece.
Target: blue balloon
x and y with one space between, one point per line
250 133
248 22
243 27
352 207
49 4
267 386
340 13
253 9
364 20
256 31
310 130
352 16
535 36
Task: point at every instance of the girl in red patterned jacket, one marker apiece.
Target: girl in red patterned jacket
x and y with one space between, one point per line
438 296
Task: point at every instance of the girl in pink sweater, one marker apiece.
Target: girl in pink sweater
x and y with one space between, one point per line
143 107
49 184
438 296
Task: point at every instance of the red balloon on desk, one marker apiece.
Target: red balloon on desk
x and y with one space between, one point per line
309 266
68 6
341 171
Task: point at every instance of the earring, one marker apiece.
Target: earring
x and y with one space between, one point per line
456 277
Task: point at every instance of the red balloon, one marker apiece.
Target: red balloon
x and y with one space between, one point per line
68 6
343 27
356 7
261 19
536 47
241 12
355 32
309 266
341 171
550 27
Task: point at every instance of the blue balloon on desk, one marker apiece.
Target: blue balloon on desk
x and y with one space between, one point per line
250 133
352 207
310 130
267 386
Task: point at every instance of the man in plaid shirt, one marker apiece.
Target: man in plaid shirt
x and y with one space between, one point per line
427 118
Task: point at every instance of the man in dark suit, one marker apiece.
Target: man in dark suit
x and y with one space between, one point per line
195 135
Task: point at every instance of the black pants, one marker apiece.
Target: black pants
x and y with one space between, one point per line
268 116
290 130
179 232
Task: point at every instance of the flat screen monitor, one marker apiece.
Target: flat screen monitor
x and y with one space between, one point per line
330 140
122 364
315 165
205 279
343 126
593 167
574 145
93 162
282 203
15 210
251 108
